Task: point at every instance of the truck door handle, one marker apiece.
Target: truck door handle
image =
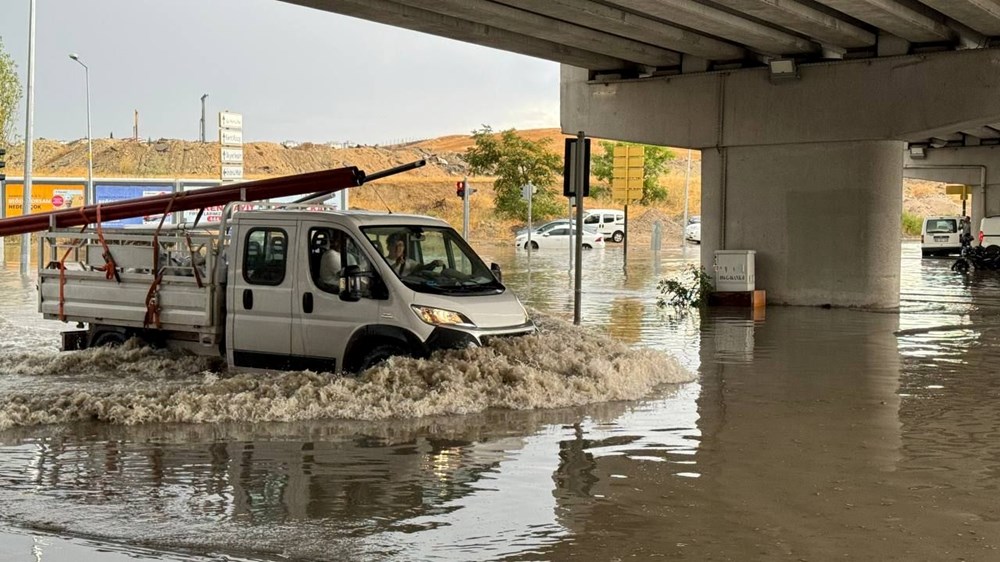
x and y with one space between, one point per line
307 302
247 299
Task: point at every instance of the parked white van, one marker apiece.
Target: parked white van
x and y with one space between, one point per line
941 236
609 222
989 231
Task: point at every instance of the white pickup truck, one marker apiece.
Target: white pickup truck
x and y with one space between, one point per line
260 292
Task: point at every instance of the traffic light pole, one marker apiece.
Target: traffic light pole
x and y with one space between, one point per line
579 179
465 208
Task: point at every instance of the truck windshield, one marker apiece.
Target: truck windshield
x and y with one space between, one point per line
432 259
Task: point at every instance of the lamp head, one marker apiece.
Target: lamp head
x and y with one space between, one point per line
74 56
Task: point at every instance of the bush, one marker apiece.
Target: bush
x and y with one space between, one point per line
681 293
912 224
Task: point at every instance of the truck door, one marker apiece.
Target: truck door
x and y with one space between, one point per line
324 323
259 326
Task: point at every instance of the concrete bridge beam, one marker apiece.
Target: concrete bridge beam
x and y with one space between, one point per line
975 166
806 171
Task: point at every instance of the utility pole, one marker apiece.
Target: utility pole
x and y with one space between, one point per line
687 186
29 135
203 98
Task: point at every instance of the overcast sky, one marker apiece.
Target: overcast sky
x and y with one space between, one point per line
293 72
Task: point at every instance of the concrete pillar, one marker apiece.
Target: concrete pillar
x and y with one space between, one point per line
824 218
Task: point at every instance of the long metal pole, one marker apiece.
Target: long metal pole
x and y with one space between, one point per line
465 208
203 117
529 188
687 187
90 142
578 193
29 134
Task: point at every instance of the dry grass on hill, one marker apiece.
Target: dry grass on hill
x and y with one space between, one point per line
427 190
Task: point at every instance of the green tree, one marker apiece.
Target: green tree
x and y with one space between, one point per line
516 161
657 158
10 94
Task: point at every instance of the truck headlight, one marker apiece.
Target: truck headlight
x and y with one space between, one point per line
440 316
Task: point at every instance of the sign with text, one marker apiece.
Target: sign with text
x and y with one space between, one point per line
232 172
232 155
231 146
230 137
45 197
229 120
111 193
209 215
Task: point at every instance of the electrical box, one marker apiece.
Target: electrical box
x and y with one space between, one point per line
734 270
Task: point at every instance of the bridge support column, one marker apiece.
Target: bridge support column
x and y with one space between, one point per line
824 218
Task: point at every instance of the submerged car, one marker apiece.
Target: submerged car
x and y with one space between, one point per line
559 236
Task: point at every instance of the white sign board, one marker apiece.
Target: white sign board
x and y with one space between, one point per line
232 172
232 155
230 120
231 136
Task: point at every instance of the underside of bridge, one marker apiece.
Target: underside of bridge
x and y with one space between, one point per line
805 109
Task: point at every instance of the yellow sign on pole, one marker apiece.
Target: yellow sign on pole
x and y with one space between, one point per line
628 173
957 189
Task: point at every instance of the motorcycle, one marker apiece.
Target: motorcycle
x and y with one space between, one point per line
978 257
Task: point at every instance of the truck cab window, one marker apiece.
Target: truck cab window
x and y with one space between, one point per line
265 256
432 259
330 250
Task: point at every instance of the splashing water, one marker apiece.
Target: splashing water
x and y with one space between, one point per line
561 365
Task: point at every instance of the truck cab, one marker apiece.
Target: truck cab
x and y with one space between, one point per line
331 290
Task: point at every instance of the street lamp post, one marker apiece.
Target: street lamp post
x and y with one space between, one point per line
89 196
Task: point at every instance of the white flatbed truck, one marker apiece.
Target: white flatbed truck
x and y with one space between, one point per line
251 290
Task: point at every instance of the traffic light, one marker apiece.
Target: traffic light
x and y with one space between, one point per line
461 186
2 164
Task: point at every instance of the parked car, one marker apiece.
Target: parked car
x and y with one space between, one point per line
609 222
692 232
543 227
941 236
559 237
989 231
694 219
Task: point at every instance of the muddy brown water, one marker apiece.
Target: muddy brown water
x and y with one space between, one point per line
805 434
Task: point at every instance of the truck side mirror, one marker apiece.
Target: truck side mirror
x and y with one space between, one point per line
495 270
350 283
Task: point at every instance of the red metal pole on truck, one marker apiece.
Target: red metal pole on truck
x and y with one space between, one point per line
329 181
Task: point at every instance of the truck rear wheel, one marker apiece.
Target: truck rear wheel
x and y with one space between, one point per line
617 237
108 338
379 353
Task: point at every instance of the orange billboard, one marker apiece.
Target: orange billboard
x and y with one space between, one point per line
45 197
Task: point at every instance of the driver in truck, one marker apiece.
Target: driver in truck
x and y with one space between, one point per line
400 263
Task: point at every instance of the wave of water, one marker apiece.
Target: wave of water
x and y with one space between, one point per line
561 365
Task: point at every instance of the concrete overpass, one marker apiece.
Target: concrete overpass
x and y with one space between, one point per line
805 110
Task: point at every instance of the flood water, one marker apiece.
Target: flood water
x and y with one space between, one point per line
800 434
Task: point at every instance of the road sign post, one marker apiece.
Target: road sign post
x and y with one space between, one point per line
576 183
628 177
230 146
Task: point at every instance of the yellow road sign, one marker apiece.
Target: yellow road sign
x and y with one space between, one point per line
957 189
628 173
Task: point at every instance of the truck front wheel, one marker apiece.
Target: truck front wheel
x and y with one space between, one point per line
379 353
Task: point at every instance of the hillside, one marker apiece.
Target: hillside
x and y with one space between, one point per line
428 190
